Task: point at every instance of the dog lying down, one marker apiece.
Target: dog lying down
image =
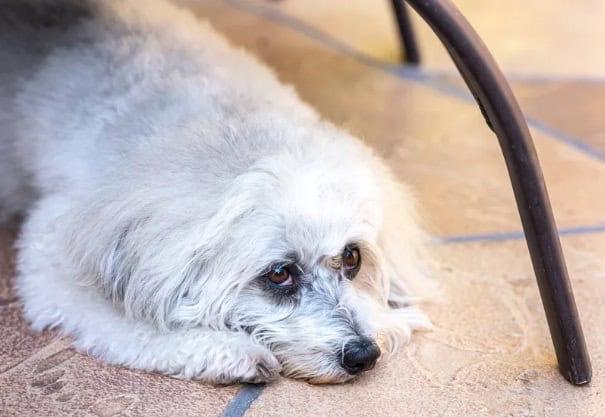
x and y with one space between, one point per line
186 213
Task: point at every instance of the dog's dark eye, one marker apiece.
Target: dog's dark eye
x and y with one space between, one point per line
280 276
351 259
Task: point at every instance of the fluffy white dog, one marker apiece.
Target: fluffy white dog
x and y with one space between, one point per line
185 212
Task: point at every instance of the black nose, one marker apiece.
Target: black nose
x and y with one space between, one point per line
359 356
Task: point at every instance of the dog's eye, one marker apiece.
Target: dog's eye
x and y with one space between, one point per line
351 258
280 276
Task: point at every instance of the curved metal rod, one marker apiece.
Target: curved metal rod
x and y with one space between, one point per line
411 54
502 114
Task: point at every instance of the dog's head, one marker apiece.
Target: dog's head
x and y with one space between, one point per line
305 249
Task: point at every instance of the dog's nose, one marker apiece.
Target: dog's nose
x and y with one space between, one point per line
359 356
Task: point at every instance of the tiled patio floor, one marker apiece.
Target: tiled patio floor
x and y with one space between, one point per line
490 353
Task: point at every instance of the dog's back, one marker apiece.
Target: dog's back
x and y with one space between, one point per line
86 81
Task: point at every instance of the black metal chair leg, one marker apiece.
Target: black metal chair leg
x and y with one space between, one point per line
504 117
410 54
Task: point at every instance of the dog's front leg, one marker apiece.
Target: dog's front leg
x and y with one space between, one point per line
220 357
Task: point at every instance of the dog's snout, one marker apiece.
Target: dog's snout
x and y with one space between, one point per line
359 356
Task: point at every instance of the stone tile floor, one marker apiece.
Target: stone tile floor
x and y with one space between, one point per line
490 353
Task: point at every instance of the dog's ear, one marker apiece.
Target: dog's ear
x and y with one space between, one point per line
156 265
145 266
139 258
403 245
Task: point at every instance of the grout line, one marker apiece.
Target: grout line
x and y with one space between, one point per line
547 78
242 401
568 140
325 39
504 236
532 78
422 77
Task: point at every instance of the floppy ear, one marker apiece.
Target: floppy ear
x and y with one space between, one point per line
139 262
402 242
98 240
154 264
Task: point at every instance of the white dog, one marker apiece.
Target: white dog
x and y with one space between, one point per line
185 212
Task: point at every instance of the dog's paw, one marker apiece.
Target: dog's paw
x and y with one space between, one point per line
230 361
263 369
252 365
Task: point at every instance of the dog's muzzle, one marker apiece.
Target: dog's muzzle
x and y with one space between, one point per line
359 356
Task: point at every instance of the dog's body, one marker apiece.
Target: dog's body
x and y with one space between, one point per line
169 180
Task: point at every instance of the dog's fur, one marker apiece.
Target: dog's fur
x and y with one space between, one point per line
162 173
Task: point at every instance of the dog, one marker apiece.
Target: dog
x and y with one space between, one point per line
186 213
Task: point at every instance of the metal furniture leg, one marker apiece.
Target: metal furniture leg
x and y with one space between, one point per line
410 54
504 117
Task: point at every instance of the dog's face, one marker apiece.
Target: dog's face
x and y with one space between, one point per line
301 267
300 250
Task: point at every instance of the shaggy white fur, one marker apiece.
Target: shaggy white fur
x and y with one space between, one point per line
169 180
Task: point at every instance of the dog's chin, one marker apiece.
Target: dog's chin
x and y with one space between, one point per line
331 380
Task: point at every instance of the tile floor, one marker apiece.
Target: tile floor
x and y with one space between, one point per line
490 353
